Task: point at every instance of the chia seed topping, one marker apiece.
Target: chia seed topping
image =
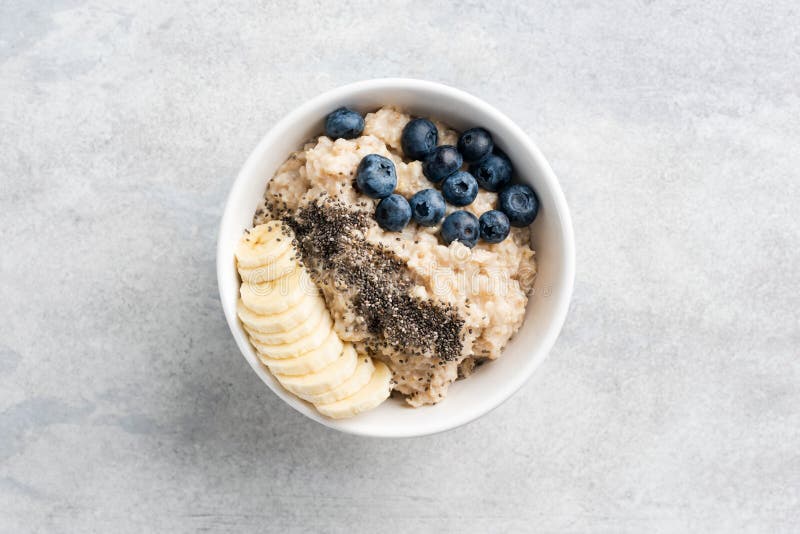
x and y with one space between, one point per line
377 283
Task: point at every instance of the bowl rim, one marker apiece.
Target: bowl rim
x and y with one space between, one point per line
546 173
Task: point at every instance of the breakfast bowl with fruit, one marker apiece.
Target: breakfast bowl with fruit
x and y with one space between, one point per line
395 258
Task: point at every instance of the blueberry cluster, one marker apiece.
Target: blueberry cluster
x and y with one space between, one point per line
488 167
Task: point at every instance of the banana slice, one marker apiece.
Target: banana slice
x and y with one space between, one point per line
278 295
263 244
294 349
367 398
310 362
283 265
324 380
349 387
280 322
315 320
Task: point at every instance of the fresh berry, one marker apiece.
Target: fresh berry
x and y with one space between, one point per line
475 143
419 139
427 207
444 161
492 172
460 188
461 226
494 226
376 176
519 203
393 213
344 123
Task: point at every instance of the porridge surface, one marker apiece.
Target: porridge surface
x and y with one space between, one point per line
430 311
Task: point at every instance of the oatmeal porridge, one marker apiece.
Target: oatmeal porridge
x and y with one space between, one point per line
428 285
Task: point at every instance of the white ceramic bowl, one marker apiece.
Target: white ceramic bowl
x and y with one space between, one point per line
553 241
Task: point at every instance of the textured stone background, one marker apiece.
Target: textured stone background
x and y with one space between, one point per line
671 401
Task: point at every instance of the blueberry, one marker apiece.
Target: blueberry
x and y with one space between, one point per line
419 138
376 176
494 226
460 188
444 161
461 226
519 202
427 207
393 213
344 123
475 143
492 172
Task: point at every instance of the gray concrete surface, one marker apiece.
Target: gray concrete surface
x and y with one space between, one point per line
671 402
